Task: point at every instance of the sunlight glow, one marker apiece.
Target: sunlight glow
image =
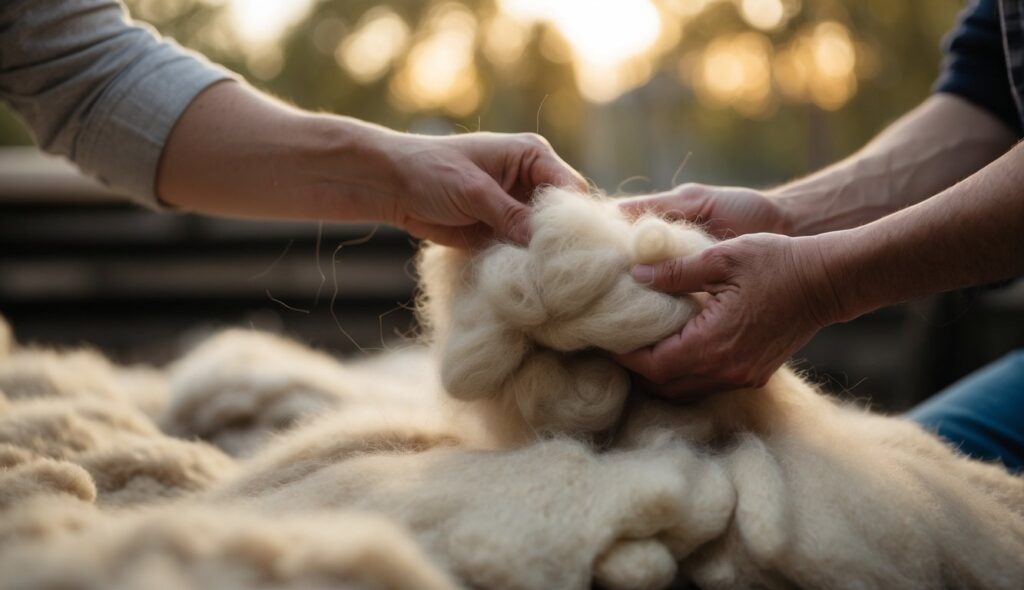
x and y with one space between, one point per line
763 14
261 22
605 38
440 71
506 39
369 51
735 70
687 8
613 46
819 66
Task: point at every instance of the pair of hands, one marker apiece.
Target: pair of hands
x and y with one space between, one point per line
767 294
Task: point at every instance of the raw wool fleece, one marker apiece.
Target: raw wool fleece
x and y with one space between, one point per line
517 327
825 496
230 391
195 548
76 409
496 519
240 387
74 451
775 488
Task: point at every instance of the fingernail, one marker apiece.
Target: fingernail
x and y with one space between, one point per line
521 235
643 274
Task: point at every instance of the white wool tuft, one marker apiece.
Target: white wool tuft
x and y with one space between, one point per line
522 327
362 477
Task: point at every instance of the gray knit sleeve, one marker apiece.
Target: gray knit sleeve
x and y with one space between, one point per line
97 88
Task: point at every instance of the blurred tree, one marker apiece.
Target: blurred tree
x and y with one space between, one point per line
758 90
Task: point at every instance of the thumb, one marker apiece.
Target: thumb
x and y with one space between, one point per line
554 171
686 202
509 218
678 276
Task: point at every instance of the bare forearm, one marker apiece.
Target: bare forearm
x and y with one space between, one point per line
236 152
937 144
970 234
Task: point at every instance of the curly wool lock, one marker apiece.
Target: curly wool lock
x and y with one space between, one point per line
518 327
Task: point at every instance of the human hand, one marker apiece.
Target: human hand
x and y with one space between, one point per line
725 211
235 152
463 190
767 295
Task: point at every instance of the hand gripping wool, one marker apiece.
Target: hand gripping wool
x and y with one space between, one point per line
824 496
522 330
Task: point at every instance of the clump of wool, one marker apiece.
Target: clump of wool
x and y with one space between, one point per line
527 328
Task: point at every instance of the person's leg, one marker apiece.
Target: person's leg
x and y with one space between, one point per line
983 413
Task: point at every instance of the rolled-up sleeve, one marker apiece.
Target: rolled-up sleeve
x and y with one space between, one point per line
974 66
97 88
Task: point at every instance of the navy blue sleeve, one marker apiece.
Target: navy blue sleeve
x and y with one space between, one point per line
974 66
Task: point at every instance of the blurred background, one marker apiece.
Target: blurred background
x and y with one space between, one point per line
751 92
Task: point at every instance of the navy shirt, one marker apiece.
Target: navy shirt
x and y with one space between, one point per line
984 59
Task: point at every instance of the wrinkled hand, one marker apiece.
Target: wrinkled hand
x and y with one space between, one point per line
724 211
767 295
463 190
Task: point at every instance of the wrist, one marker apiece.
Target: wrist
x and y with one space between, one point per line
829 268
799 209
354 161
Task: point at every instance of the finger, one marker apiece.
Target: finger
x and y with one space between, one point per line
660 363
509 218
468 237
679 276
552 170
684 353
686 202
711 363
674 368
657 204
638 361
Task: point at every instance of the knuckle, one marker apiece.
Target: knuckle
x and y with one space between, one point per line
475 186
534 140
690 189
737 376
514 217
670 271
714 258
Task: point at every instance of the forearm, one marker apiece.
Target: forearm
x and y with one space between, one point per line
970 234
236 152
937 144
95 87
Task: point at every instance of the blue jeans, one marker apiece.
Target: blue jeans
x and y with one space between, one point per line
983 413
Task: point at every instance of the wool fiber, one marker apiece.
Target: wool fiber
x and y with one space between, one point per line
513 454
810 481
506 318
